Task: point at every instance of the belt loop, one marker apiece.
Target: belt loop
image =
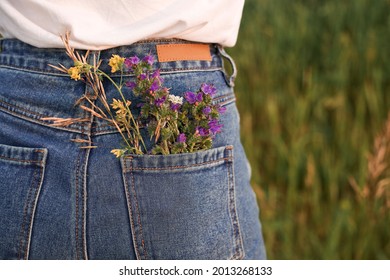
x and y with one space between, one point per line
1 43
229 80
94 55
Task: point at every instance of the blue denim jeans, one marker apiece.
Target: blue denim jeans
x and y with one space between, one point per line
60 199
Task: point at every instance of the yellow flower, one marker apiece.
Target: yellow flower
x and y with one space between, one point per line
118 152
74 73
116 62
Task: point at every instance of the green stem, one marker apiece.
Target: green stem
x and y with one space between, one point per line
91 82
119 88
166 148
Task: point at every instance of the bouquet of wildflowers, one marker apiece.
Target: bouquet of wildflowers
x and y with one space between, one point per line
174 124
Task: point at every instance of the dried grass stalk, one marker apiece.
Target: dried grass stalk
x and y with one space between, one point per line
377 186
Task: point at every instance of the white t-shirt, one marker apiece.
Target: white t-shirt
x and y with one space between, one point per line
102 24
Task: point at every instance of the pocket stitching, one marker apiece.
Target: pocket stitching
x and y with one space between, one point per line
130 209
31 203
20 160
128 166
238 254
25 214
177 166
24 160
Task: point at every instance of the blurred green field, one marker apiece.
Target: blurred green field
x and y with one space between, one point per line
313 91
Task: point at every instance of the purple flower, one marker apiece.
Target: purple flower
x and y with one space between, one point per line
215 126
208 89
156 74
181 138
131 85
159 101
129 62
199 97
142 76
206 110
149 59
202 131
221 110
192 97
175 106
155 86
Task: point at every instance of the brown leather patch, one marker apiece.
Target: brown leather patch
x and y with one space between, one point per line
176 52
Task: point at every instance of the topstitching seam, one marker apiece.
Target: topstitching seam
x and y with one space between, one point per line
125 74
25 209
37 188
138 213
130 211
238 245
178 166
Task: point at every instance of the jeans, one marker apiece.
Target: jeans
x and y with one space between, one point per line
62 199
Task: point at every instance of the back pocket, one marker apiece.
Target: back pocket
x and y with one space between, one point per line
21 176
183 206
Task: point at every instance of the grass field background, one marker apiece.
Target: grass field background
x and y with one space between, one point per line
313 90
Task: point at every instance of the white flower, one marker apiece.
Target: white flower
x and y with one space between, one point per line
175 99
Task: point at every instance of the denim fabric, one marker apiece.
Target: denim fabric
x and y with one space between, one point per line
60 199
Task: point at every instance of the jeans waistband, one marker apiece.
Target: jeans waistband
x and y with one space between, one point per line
17 54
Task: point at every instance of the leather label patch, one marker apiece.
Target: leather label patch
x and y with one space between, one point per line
176 52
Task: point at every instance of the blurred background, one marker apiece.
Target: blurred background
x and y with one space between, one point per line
313 90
